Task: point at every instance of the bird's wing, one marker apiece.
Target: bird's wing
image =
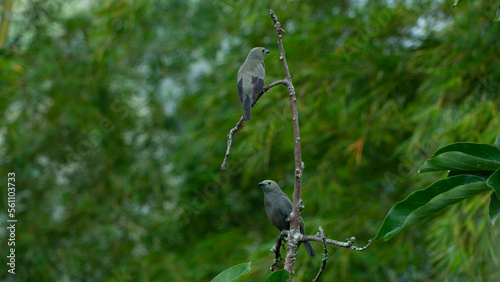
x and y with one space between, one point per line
286 207
258 83
240 89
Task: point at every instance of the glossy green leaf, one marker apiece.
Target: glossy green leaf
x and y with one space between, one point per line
494 207
458 161
464 157
427 202
279 276
456 3
485 174
234 273
480 150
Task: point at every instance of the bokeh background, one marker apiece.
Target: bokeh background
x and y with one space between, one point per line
114 116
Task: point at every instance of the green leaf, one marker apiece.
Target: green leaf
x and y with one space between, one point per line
278 276
480 150
233 273
494 207
463 157
485 174
494 182
427 202
497 17
456 3
458 161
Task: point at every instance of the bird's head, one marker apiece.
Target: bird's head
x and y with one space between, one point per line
259 52
269 186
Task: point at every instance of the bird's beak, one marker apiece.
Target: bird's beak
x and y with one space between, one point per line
262 183
267 51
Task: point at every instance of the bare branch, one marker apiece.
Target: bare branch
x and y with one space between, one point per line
291 250
319 237
239 124
294 237
276 249
349 243
325 255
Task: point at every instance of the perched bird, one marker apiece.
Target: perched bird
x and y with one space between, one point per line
278 209
251 79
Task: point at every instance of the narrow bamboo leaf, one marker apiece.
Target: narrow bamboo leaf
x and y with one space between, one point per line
497 17
494 207
458 161
426 202
279 276
494 181
456 3
233 273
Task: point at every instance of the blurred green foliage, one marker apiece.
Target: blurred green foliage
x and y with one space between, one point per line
114 117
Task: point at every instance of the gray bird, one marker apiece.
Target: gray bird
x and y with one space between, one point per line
278 209
251 79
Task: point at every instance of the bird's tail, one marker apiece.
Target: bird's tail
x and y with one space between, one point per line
309 248
247 104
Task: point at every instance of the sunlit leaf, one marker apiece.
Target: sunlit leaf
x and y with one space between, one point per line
427 202
234 273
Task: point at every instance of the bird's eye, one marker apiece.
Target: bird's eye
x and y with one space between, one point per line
268 183
263 50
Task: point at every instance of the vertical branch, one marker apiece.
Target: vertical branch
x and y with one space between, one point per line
291 251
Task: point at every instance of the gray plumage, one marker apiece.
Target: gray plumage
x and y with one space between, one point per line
251 79
278 209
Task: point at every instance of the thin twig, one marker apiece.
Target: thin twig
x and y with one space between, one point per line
276 249
239 124
348 244
325 255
